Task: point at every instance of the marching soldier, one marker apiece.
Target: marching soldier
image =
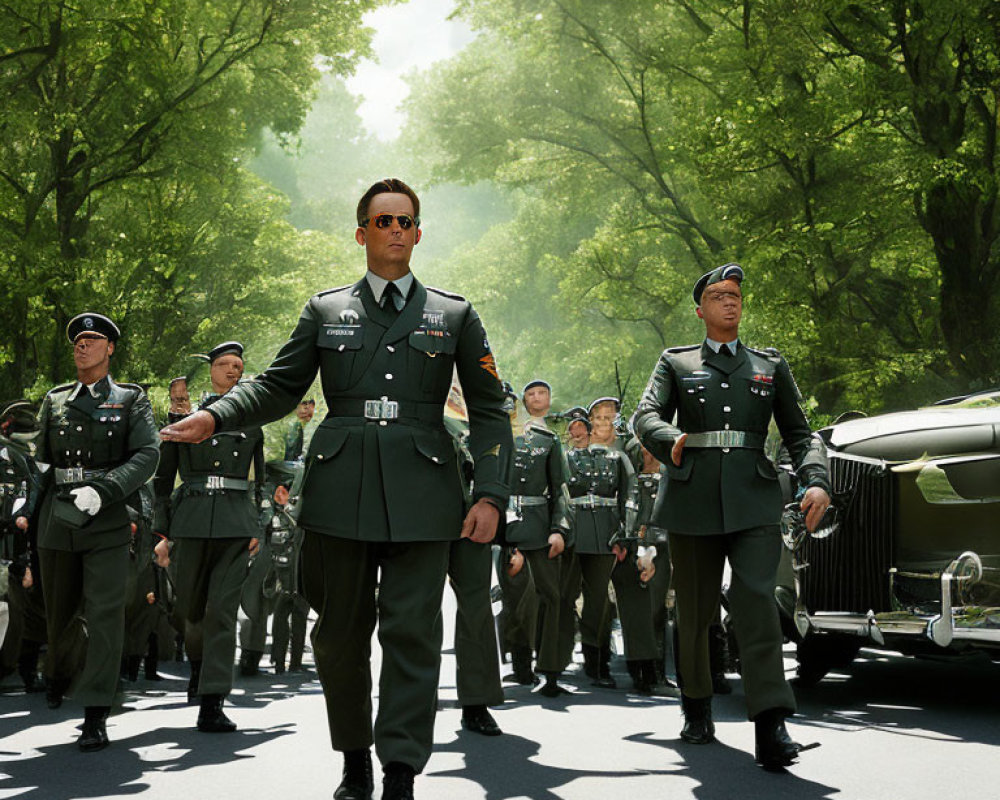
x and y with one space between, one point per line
600 482
18 483
382 499
214 522
98 438
538 528
723 501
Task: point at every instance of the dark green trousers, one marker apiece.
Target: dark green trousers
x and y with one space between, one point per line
470 572
634 610
91 584
339 577
698 563
659 586
26 622
545 575
590 574
210 575
253 632
520 606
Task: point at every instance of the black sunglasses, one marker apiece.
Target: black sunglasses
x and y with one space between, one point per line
383 221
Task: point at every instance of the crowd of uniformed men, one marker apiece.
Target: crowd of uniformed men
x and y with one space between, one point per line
128 545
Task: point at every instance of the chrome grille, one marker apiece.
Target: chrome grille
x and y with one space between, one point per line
849 571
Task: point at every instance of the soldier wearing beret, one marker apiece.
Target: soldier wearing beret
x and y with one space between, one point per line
538 526
722 500
18 484
382 499
214 520
98 438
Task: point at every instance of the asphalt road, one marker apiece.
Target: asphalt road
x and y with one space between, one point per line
891 727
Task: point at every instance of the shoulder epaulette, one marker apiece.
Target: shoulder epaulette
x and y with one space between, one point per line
685 349
63 388
134 386
544 431
444 293
334 290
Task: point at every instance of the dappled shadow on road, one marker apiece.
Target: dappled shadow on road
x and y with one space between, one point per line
62 772
504 768
908 696
721 772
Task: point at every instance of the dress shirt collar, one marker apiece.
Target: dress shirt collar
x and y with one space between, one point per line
717 346
91 387
378 285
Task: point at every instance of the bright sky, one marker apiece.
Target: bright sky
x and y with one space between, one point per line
408 36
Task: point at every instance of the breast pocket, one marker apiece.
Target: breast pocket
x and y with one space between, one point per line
109 436
433 358
339 345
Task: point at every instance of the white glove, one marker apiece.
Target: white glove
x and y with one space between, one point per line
87 499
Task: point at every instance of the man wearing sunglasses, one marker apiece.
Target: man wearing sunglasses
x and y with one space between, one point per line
722 501
382 497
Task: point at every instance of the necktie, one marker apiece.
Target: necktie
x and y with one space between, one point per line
389 302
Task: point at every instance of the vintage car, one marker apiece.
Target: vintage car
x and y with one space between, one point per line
912 562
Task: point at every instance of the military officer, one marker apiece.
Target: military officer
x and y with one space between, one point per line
214 521
723 501
18 483
98 438
538 527
600 481
382 497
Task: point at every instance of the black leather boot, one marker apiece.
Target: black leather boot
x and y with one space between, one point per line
551 687
643 675
27 668
94 734
192 690
54 691
775 749
211 717
130 668
358 781
591 658
397 781
478 719
520 659
250 663
604 679
151 660
698 725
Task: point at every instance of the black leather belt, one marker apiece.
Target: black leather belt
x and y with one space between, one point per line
385 410
66 475
725 439
212 482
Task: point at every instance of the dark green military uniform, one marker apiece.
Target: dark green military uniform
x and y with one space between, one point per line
537 509
107 441
600 482
26 623
724 501
214 515
382 495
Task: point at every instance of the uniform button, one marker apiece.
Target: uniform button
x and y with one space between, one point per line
727 409
110 433
725 449
388 376
215 442
319 457
62 433
726 426
724 385
701 399
390 348
236 452
217 463
383 423
79 427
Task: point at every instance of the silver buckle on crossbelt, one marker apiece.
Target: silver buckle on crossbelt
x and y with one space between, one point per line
215 482
381 409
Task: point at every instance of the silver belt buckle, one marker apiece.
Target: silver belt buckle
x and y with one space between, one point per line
733 438
74 475
214 482
381 409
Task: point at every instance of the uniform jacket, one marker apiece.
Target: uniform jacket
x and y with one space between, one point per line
538 469
715 490
603 472
196 511
115 432
385 480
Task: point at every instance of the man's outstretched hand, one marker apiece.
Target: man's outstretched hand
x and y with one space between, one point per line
193 429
